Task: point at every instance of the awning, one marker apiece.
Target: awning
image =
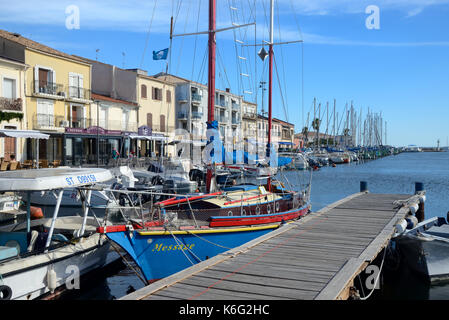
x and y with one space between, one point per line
156 138
195 142
23 134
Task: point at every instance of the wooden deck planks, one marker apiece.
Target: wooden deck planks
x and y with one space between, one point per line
315 257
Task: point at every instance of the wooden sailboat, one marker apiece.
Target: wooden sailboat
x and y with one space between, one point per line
184 230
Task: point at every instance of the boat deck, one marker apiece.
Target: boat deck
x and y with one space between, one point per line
317 257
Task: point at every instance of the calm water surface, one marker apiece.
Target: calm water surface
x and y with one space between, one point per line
393 174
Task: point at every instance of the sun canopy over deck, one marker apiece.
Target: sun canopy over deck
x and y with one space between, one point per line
52 178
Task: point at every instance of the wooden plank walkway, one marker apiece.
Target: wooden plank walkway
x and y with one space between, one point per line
317 257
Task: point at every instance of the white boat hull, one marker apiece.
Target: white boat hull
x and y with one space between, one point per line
27 277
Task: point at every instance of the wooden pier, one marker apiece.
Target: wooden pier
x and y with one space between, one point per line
317 257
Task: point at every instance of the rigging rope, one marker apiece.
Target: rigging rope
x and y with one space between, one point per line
148 34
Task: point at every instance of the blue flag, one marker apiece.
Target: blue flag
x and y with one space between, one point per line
160 55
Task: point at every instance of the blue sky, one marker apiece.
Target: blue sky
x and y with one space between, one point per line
401 69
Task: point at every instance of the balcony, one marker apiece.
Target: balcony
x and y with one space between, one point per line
222 119
11 104
79 93
249 115
49 89
197 115
235 107
235 121
196 98
162 128
182 115
48 121
129 126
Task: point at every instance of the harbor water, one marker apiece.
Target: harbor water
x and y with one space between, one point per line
393 174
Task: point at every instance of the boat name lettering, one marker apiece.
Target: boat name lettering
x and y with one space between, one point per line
81 179
162 247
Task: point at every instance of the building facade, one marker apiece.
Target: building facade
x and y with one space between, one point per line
57 94
157 114
12 104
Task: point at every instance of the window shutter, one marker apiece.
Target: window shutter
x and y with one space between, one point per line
162 123
150 120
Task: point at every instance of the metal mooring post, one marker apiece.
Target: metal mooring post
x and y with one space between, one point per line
363 186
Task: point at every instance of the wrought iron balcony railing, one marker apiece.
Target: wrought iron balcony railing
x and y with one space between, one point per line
79 93
49 88
11 104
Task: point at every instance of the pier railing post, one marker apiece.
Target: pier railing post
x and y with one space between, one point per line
363 186
419 187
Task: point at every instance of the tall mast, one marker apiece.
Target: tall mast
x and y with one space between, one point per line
270 84
211 78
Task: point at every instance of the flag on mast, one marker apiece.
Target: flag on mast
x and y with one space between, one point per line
160 55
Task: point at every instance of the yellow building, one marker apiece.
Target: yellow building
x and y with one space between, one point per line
12 105
57 95
156 99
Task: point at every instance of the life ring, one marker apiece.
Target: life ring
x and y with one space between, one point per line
277 206
257 210
5 292
268 209
243 212
230 213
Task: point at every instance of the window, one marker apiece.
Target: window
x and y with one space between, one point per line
157 94
9 88
143 91
168 93
76 86
162 123
125 120
150 120
45 113
45 81
103 113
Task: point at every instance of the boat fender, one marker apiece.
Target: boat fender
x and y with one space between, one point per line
5 292
258 210
36 213
412 221
277 206
414 208
401 226
268 209
51 280
422 199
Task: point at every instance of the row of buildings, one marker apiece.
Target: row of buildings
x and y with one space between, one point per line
90 108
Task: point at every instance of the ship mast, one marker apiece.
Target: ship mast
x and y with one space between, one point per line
211 79
270 85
